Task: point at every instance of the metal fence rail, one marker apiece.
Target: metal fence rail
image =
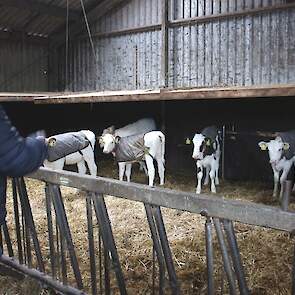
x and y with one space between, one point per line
53 269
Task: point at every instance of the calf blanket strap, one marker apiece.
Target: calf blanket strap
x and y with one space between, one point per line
131 148
66 144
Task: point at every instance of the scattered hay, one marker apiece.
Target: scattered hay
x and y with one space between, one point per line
267 254
10 286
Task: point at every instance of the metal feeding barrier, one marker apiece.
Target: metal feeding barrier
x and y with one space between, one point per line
25 256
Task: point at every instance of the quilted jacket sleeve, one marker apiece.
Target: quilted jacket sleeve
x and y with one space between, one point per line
18 155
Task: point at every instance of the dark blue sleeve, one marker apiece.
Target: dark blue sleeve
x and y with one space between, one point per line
18 155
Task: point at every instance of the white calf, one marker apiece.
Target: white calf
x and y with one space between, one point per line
79 157
207 154
141 126
280 158
154 148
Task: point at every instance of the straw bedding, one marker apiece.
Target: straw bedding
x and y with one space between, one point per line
266 254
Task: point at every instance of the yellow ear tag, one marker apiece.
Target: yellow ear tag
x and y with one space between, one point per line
286 146
263 147
208 142
188 141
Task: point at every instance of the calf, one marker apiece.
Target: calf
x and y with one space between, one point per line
140 147
206 153
141 126
72 148
281 157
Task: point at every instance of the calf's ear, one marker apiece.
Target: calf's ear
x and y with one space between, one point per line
286 146
117 139
263 145
99 139
112 129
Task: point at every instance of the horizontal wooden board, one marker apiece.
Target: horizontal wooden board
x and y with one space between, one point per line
205 204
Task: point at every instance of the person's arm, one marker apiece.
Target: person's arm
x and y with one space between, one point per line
18 155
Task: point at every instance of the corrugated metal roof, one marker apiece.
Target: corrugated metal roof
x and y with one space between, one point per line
18 16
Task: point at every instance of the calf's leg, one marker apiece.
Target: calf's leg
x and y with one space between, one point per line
207 176
161 170
212 177
81 167
283 178
217 172
122 166
199 176
151 169
88 156
276 182
142 167
128 171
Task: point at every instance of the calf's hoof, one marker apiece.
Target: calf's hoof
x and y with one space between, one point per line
213 190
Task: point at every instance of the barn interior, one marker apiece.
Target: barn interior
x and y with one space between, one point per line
71 65
243 159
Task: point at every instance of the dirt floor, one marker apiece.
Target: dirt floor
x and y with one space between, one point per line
266 254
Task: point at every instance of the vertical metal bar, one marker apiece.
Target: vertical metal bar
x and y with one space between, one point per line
7 240
30 221
209 256
156 246
233 244
1 239
50 232
166 250
65 231
28 244
17 222
91 245
24 237
293 273
57 256
107 282
154 270
108 239
63 259
225 257
285 200
100 262
223 153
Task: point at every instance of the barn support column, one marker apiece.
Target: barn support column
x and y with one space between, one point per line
164 59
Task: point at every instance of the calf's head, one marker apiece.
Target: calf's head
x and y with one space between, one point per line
109 130
275 147
108 142
203 146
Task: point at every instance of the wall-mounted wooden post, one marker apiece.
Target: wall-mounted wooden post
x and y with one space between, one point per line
164 48
164 59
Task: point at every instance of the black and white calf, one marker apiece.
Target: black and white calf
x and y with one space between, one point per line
206 153
141 126
72 148
281 157
140 147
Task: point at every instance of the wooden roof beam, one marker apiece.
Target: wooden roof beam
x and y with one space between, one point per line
41 8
